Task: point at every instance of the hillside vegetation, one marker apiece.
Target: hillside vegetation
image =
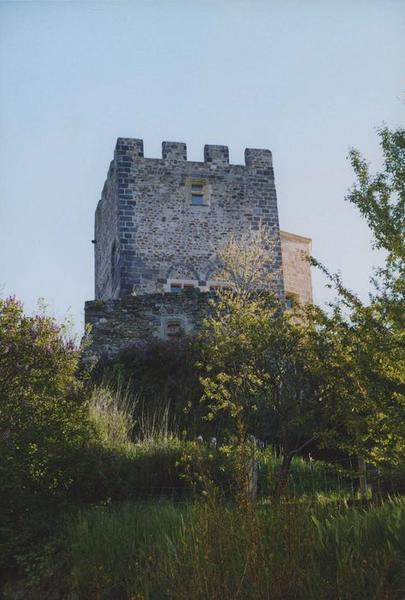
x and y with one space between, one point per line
262 459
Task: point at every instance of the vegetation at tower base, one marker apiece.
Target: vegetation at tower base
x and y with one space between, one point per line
96 481
256 369
78 537
163 378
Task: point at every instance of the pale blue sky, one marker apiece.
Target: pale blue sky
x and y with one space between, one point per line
306 79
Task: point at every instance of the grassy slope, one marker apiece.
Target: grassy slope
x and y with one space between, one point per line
214 551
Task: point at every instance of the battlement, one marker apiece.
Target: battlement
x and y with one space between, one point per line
129 149
216 154
174 151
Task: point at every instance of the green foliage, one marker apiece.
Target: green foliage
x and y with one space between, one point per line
380 198
218 551
118 552
360 370
363 359
162 376
380 327
257 370
43 421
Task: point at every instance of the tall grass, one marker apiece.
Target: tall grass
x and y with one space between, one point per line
306 477
117 552
362 552
148 447
120 417
111 412
211 550
156 421
313 544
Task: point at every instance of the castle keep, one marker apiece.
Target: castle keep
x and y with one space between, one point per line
157 227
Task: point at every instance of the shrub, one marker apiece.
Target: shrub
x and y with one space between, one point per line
160 374
43 422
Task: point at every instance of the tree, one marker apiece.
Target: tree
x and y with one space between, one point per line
364 357
336 376
43 418
254 355
257 369
247 263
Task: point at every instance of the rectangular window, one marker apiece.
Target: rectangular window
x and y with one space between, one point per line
173 329
198 193
177 285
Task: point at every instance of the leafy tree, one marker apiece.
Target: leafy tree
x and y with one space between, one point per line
255 356
337 375
43 420
256 370
363 362
247 262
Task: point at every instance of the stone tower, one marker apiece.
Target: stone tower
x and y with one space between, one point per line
160 220
157 227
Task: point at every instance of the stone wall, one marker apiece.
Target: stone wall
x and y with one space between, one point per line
107 244
118 323
148 231
295 250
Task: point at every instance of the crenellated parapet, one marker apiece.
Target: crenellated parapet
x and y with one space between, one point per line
129 149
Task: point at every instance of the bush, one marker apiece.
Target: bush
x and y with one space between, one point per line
43 423
162 375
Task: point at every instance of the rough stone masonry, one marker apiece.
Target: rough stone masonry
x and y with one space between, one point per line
158 225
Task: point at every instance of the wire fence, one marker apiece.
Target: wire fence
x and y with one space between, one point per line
348 479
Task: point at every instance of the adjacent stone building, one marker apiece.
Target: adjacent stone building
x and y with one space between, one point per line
158 225
295 250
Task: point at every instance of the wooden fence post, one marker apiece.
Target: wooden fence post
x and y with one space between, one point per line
252 470
362 476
